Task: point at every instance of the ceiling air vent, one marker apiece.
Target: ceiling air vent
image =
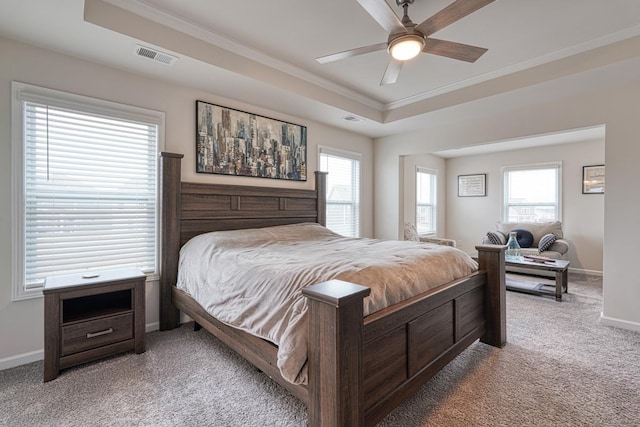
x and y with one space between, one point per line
155 55
352 118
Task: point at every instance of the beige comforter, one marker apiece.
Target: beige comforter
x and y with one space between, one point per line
252 279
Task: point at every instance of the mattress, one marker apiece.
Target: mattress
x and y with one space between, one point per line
252 279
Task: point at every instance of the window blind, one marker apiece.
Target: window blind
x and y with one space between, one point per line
425 201
89 192
343 192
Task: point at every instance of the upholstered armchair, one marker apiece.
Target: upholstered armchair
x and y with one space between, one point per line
410 233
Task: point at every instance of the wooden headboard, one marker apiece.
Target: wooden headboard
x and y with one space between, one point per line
188 209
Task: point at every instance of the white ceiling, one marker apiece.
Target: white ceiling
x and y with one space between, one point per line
263 52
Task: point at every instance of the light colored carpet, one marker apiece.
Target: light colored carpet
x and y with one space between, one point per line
560 368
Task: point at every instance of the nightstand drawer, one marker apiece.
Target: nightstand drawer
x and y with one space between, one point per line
96 333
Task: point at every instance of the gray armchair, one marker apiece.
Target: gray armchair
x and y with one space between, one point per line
410 233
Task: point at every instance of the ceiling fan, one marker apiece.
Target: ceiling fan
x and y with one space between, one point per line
406 39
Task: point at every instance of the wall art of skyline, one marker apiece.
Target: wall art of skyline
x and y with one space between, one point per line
233 142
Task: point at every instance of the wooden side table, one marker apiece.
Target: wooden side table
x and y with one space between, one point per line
90 317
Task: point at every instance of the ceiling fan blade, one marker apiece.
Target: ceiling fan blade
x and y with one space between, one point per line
384 15
392 72
352 52
450 14
460 51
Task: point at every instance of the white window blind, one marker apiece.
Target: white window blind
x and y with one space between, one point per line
425 201
532 193
89 191
343 191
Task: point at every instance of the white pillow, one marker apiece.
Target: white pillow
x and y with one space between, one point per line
410 232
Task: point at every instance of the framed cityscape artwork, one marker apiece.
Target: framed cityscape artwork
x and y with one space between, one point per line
233 142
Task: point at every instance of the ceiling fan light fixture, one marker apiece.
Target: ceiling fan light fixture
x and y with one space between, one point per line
406 47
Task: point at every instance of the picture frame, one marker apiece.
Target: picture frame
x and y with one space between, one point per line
472 185
593 179
235 142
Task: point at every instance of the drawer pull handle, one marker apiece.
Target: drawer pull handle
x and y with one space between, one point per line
97 334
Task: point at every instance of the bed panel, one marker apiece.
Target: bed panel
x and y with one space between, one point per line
191 228
470 312
430 335
193 204
385 365
214 207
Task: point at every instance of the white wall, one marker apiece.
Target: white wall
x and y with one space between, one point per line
21 323
575 102
469 218
410 165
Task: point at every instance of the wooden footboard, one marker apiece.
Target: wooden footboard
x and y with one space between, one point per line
359 368
364 368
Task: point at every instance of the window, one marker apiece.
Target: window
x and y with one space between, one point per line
426 201
84 188
532 193
343 190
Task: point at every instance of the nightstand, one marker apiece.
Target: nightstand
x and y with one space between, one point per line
87 317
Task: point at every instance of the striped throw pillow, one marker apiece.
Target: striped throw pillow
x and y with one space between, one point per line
496 238
546 241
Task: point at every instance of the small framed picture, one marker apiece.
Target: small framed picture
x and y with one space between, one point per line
472 185
593 179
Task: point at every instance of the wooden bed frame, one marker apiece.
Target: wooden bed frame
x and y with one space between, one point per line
360 368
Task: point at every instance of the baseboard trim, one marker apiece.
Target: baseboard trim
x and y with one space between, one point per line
619 323
21 359
587 272
551 274
150 327
34 356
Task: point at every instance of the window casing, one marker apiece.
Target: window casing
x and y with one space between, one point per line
532 193
343 190
84 186
426 201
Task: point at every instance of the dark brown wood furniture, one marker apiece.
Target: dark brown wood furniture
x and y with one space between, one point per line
559 267
360 368
86 318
